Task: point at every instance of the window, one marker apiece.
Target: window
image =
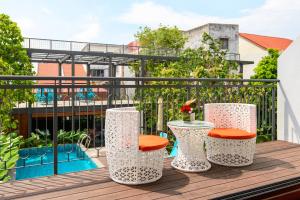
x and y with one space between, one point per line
97 72
224 43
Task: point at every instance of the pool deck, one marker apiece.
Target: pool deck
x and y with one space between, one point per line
274 161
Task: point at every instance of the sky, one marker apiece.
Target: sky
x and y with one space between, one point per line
116 21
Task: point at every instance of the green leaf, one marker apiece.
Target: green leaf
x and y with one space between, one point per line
3 173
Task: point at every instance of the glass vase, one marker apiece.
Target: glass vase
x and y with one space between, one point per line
186 117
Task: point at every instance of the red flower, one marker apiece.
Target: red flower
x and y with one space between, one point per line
185 108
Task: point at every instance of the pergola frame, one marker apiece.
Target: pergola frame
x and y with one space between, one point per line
111 55
72 52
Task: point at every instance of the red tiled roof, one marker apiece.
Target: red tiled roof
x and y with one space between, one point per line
133 46
47 69
268 42
51 69
79 71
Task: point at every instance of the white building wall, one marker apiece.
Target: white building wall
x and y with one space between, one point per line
103 67
229 31
194 36
250 51
124 71
217 31
288 120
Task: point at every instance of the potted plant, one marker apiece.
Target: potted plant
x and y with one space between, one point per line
187 110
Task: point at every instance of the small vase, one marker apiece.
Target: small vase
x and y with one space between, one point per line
186 117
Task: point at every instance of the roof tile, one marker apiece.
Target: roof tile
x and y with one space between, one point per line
268 42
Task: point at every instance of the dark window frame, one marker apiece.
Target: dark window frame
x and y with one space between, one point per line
224 43
97 72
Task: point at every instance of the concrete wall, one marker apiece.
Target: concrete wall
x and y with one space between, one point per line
217 31
229 31
124 71
288 120
250 51
121 71
195 36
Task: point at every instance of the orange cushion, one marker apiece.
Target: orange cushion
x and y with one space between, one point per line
152 142
231 133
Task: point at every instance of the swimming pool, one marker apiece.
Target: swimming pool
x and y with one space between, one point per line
78 161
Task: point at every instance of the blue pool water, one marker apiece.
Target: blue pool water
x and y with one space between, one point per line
78 161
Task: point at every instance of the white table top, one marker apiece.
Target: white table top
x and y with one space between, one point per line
193 124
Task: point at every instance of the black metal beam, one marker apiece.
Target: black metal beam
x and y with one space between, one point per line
66 57
96 60
103 54
4 77
59 69
142 70
88 72
60 73
67 62
60 110
245 62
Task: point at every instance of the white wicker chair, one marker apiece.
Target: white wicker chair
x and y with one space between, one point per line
231 151
127 164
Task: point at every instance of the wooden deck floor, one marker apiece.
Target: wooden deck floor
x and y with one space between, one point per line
274 161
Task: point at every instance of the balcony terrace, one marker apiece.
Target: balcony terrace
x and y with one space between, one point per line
275 162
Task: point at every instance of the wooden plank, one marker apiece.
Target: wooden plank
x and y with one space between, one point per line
274 161
262 159
208 180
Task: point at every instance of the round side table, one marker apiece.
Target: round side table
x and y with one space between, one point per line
190 136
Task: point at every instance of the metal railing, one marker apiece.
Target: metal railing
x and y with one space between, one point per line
64 45
64 108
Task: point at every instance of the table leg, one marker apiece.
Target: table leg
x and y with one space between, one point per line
191 156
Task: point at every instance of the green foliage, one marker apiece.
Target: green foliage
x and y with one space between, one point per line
207 61
64 137
9 154
156 41
162 38
38 139
13 61
267 67
42 138
11 143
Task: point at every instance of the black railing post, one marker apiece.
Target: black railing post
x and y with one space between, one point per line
29 119
273 112
60 74
73 93
188 93
111 83
55 156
